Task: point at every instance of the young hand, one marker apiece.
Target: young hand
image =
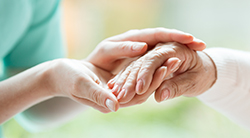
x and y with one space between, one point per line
82 82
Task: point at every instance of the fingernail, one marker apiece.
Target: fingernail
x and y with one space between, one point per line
139 86
164 73
110 81
165 94
175 66
110 105
111 84
115 89
121 94
137 47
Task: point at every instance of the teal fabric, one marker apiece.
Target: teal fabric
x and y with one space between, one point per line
30 33
1 134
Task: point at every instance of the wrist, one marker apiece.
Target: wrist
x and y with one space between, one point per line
22 91
210 70
44 81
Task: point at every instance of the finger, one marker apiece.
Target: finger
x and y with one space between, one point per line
92 104
163 72
152 61
197 45
121 79
158 78
90 90
112 81
153 36
173 65
128 89
118 50
176 86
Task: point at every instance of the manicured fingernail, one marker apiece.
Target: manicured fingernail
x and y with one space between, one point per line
115 89
121 94
165 69
175 66
110 104
139 86
164 94
111 84
137 47
111 81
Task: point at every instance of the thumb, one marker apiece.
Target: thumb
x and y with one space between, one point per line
99 95
176 86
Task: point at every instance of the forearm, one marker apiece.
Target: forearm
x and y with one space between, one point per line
230 94
21 91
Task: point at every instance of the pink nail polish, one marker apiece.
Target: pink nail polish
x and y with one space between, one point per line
139 86
165 94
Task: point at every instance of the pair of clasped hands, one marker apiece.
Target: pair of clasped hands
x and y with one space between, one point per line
124 70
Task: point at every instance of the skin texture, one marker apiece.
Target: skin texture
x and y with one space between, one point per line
192 75
84 81
118 51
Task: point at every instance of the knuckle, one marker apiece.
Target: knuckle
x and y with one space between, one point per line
130 81
191 86
175 90
157 54
123 46
144 70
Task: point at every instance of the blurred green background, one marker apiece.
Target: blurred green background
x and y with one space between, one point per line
220 23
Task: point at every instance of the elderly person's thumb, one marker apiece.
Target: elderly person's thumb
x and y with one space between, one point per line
176 86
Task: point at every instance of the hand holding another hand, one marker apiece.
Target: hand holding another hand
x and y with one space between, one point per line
136 83
113 53
85 81
82 82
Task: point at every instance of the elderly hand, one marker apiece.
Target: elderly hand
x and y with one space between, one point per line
115 52
148 73
195 76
